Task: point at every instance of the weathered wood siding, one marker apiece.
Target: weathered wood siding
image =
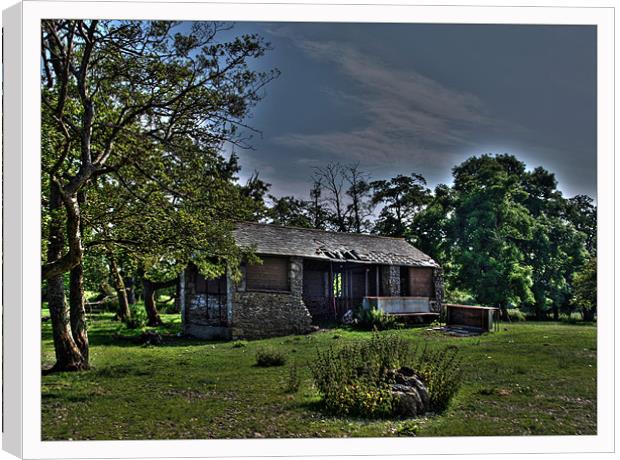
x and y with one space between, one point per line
421 282
271 275
469 315
316 294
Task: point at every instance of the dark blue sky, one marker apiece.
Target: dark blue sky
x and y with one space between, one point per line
402 98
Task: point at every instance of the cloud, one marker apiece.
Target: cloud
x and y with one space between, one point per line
406 113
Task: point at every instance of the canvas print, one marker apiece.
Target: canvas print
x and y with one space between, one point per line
317 230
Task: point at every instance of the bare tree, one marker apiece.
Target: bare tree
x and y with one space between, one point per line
332 180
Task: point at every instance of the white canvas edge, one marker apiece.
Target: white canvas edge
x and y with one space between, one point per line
31 444
12 234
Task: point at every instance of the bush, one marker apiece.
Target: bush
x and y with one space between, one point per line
137 318
515 315
109 304
373 319
293 382
441 372
268 357
571 318
408 428
239 344
353 379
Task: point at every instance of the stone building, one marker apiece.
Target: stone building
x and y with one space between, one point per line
308 277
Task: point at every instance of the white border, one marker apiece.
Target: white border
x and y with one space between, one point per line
34 11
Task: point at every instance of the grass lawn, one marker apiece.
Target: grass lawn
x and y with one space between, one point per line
527 379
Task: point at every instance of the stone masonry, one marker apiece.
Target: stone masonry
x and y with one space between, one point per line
390 280
437 305
259 314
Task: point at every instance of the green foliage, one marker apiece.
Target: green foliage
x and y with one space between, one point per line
370 319
442 374
269 357
239 344
294 381
459 296
571 318
133 123
408 428
402 198
137 318
506 235
352 379
489 223
110 304
291 211
429 228
581 212
515 315
585 288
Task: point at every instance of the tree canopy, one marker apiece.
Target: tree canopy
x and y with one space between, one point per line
134 114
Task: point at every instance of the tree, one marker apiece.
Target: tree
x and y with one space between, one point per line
585 289
118 94
488 228
157 225
256 189
123 313
332 181
359 192
289 210
429 230
317 213
402 197
555 252
581 211
556 249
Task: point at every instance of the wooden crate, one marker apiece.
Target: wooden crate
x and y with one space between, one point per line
473 316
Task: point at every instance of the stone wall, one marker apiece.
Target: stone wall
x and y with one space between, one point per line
390 280
437 305
259 314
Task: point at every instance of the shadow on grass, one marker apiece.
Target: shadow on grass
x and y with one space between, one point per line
119 336
316 406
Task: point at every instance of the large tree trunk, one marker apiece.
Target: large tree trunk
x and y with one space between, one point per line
78 312
588 314
123 312
539 307
131 290
149 303
68 355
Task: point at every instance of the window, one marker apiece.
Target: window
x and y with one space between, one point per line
272 275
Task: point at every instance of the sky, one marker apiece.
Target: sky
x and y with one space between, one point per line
403 98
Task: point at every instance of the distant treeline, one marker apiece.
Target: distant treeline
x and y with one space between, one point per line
505 235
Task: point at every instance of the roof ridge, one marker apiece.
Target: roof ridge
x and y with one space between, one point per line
318 230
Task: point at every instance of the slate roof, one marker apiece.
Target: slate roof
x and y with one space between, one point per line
271 239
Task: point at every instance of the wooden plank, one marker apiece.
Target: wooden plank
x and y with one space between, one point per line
272 275
421 282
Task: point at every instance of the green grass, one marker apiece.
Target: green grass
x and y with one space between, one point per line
527 379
